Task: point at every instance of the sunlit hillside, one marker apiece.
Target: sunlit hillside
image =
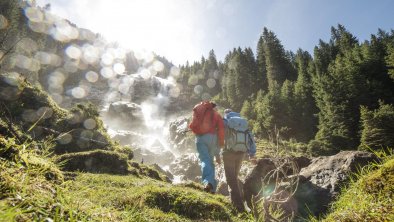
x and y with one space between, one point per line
91 130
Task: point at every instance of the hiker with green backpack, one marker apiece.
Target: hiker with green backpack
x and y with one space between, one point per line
208 126
238 141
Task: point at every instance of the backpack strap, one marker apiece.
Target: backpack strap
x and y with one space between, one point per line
212 115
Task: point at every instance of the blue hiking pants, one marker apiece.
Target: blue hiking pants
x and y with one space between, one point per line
207 147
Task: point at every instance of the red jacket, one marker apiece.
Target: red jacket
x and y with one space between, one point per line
218 127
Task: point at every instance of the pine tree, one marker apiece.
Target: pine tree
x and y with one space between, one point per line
212 84
336 96
239 71
247 110
231 78
261 77
287 121
390 60
278 65
270 112
377 127
251 70
305 106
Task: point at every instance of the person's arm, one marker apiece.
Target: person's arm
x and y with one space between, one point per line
252 148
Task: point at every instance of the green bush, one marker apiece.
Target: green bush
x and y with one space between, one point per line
377 127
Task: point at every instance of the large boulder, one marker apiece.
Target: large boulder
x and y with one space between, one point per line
148 157
126 137
318 182
179 137
331 172
127 111
186 167
253 184
321 182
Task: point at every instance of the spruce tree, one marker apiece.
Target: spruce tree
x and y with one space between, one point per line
287 121
251 70
336 96
390 60
377 127
305 107
261 77
278 65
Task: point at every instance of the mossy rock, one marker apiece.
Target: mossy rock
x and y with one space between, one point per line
187 204
96 161
147 171
34 111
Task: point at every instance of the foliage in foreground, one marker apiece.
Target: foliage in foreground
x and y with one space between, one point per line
32 188
369 197
30 185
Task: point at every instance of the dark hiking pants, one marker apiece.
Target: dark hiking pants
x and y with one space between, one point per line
232 164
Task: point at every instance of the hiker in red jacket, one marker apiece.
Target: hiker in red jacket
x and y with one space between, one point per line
207 125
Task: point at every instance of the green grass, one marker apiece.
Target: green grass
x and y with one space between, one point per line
32 188
152 199
283 148
369 197
29 185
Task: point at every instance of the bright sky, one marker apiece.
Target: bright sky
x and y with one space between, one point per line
184 30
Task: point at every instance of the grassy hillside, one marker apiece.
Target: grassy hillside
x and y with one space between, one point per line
45 157
369 197
46 153
32 188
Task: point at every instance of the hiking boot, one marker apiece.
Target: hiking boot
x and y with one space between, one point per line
209 188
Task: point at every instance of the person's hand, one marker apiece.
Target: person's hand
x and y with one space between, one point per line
253 160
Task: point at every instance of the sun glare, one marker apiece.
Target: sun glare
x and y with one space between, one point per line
164 27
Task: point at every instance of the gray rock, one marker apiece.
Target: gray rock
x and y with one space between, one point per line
319 182
187 166
147 157
331 172
179 138
162 171
125 110
223 189
126 137
253 185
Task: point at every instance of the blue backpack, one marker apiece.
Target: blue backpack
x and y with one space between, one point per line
237 133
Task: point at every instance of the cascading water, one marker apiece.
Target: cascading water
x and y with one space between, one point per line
143 125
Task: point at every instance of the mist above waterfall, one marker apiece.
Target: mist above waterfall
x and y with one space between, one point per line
137 111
